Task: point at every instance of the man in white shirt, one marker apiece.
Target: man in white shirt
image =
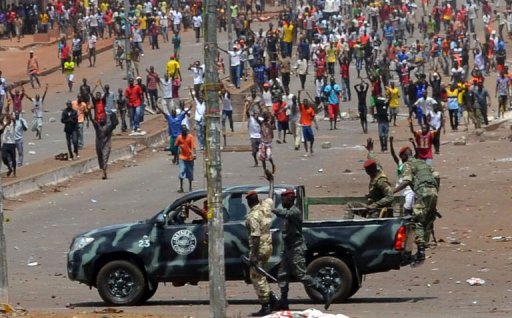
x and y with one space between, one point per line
20 126
200 109
166 87
198 76
235 65
197 21
176 20
253 126
92 49
164 26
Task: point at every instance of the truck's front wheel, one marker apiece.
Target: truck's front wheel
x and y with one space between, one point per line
121 283
331 273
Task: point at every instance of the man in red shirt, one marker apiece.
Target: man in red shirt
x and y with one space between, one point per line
345 78
133 94
424 140
11 16
187 145
279 108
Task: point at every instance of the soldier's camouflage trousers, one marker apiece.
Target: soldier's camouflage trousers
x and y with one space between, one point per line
293 264
424 213
258 280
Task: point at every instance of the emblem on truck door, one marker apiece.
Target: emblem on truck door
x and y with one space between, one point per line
183 242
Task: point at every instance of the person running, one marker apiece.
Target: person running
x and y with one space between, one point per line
267 134
307 117
69 69
393 95
9 144
187 149
37 111
502 93
104 129
332 95
361 91
254 129
69 118
174 129
33 69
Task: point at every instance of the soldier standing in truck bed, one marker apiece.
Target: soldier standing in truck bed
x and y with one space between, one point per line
380 194
292 259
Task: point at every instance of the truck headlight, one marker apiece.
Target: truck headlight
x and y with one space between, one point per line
81 242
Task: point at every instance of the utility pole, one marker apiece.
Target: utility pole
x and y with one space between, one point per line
229 21
127 26
4 296
211 88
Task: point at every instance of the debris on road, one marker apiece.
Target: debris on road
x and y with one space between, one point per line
326 145
308 313
108 311
474 281
460 141
502 238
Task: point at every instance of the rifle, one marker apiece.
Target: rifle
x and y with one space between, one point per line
259 269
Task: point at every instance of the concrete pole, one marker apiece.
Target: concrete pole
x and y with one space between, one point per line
4 296
229 21
213 167
127 26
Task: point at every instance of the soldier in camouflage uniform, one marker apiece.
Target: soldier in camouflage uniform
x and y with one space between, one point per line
292 259
258 223
380 195
425 183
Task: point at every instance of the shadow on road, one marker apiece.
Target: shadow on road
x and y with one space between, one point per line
185 302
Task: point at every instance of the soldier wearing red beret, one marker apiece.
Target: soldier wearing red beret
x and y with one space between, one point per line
380 195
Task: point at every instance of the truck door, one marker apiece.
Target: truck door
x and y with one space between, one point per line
183 245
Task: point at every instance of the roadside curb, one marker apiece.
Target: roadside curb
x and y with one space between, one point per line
84 165
496 124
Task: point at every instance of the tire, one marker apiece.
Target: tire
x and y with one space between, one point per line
121 283
355 287
332 273
151 288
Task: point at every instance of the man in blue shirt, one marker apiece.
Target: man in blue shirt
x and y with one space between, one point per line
332 95
174 130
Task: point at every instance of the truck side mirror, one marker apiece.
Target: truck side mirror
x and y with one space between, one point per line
161 219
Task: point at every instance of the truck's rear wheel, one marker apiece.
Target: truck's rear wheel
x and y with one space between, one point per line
121 283
333 274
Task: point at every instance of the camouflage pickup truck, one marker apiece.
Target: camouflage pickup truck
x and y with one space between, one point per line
127 262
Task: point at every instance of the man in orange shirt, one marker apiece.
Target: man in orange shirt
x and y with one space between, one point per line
33 69
81 109
307 117
187 145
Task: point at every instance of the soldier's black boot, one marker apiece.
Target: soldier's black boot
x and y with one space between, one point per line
420 254
273 301
265 310
283 303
